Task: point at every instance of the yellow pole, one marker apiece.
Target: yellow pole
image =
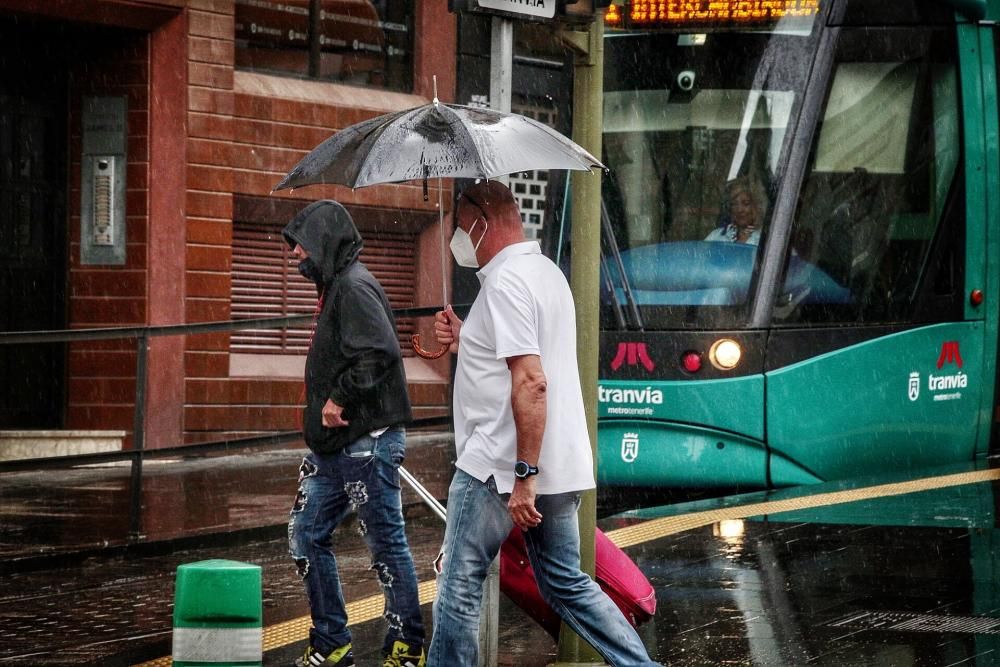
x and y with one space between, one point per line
588 94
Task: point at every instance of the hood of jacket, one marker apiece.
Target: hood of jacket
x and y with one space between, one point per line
326 231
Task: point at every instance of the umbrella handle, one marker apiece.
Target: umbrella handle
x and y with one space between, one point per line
415 340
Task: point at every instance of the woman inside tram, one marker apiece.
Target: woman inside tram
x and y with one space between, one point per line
743 212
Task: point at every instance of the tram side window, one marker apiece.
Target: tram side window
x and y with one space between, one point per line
878 199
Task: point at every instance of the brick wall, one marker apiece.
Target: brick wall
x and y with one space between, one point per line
200 137
101 375
209 201
244 132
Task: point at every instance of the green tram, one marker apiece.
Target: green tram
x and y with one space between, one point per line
801 257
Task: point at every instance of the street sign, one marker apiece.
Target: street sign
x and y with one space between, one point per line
544 9
533 10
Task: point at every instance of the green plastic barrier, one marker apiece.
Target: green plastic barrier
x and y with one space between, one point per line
218 615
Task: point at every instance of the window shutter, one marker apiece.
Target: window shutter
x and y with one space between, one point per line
266 283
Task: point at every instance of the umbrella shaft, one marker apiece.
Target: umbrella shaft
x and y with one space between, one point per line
444 267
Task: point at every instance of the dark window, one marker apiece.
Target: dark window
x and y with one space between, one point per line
352 41
898 12
881 184
32 239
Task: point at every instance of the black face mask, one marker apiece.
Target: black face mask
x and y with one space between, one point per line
310 271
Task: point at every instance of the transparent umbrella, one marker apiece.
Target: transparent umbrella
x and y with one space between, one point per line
437 140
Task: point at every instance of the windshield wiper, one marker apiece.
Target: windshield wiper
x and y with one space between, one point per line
635 319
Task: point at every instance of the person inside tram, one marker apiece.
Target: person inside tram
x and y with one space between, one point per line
743 212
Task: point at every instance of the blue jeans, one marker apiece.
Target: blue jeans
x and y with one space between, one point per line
364 478
477 525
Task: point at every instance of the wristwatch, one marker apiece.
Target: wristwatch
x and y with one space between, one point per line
523 471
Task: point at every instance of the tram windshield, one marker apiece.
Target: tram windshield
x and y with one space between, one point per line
699 118
698 124
696 135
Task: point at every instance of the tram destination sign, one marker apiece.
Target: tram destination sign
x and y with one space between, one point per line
720 13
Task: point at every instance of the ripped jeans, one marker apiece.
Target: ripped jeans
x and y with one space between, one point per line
364 478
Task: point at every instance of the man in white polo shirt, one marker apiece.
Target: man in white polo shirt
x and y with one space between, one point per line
521 436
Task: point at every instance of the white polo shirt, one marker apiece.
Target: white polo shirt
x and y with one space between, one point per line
524 307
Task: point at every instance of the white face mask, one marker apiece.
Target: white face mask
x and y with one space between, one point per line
462 248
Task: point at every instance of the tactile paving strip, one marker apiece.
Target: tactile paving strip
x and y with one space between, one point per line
359 611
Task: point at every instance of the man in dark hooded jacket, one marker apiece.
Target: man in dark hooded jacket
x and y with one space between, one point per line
356 405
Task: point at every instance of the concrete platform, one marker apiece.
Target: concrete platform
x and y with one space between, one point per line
43 444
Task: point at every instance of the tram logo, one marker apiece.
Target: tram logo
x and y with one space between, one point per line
620 396
943 387
914 388
957 381
949 354
632 354
630 447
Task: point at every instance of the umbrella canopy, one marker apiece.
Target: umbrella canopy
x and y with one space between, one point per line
437 140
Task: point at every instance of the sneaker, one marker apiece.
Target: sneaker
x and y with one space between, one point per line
341 657
405 655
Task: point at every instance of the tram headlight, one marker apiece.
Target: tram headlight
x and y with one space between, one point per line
725 354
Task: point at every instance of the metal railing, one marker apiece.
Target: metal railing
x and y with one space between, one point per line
142 336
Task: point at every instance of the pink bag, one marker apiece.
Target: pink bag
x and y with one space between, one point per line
617 575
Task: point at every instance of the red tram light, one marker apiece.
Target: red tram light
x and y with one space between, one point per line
976 298
691 362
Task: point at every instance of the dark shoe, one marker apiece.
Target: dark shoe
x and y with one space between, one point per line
405 655
341 657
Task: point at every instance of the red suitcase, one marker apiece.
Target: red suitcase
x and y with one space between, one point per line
617 575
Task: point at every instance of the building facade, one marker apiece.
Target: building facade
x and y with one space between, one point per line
139 142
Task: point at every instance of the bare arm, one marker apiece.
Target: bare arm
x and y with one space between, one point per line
528 402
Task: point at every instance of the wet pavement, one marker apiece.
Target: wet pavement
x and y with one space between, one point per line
86 509
76 590
908 579
879 572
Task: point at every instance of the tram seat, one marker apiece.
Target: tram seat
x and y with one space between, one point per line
710 273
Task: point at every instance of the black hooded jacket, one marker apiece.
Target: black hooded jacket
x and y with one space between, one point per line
354 358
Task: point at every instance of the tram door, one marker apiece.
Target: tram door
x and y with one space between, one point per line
32 229
892 378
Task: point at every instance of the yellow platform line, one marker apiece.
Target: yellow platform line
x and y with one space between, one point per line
370 608
671 525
